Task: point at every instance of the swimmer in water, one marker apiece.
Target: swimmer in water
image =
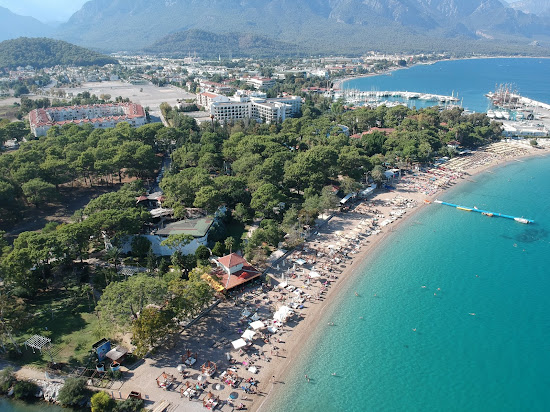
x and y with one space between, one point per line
414 329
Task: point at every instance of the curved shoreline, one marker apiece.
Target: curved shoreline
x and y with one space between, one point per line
306 328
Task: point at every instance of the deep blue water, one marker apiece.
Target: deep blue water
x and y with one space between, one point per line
495 360
470 79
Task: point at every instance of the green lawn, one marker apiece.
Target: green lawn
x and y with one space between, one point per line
68 320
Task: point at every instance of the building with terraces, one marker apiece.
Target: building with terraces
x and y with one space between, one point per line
100 116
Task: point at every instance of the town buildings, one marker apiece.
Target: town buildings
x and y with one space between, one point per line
98 115
253 106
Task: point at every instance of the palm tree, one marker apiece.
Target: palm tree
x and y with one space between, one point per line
113 254
229 242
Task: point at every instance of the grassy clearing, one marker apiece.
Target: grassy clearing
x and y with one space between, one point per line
68 319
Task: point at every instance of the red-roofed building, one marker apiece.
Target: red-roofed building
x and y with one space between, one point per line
233 270
98 115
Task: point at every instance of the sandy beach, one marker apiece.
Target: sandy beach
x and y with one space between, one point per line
307 280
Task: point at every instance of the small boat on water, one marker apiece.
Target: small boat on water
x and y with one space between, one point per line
521 220
487 214
464 208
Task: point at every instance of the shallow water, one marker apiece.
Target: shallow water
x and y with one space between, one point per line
495 360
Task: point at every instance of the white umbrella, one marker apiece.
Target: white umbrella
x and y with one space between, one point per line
201 378
239 343
272 329
257 325
248 334
181 367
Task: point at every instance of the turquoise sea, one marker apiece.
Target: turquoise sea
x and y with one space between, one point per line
469 79
497 269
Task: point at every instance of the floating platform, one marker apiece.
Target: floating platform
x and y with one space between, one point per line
486 212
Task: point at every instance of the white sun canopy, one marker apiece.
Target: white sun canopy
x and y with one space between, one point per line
239 343
257 325
248 334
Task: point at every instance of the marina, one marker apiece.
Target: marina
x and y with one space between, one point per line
485 212
393 98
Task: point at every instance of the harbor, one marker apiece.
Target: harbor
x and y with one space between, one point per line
520 116
486 212
394 98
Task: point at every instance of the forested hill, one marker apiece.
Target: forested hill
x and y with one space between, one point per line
212 44
43 52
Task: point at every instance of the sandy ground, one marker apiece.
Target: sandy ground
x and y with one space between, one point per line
146 94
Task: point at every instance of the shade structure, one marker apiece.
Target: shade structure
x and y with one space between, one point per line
248 334
282 314
233 395
239 343
181 367
314 275
245 313
300 262
282 285
255 317
257 325
272 329
201 378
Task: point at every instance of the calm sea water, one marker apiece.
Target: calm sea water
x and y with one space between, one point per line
470 79
495 360
14 406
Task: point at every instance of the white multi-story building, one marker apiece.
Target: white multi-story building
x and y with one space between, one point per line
260 83
98 115
242 106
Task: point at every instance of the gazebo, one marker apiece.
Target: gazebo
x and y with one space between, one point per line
38 342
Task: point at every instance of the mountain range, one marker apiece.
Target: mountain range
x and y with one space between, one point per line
538 7
13 25
313 26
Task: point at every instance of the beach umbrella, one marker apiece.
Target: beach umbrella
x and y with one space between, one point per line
248 334
257 325
239 343
201 378
181 367
233 395
314 275
218 387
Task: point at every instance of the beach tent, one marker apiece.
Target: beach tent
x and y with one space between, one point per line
314 275
245 313
257 325
239 343
248 334
282 314
300 262
255 317
272 329
282 285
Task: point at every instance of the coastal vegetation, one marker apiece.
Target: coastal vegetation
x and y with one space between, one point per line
44 52
276 178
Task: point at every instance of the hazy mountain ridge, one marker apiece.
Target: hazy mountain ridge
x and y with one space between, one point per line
13 25
538 7
318 25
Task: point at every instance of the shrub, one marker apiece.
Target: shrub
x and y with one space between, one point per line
129 405
24 390
73 392
7 379
101 402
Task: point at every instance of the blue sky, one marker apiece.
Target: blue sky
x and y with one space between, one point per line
44 10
